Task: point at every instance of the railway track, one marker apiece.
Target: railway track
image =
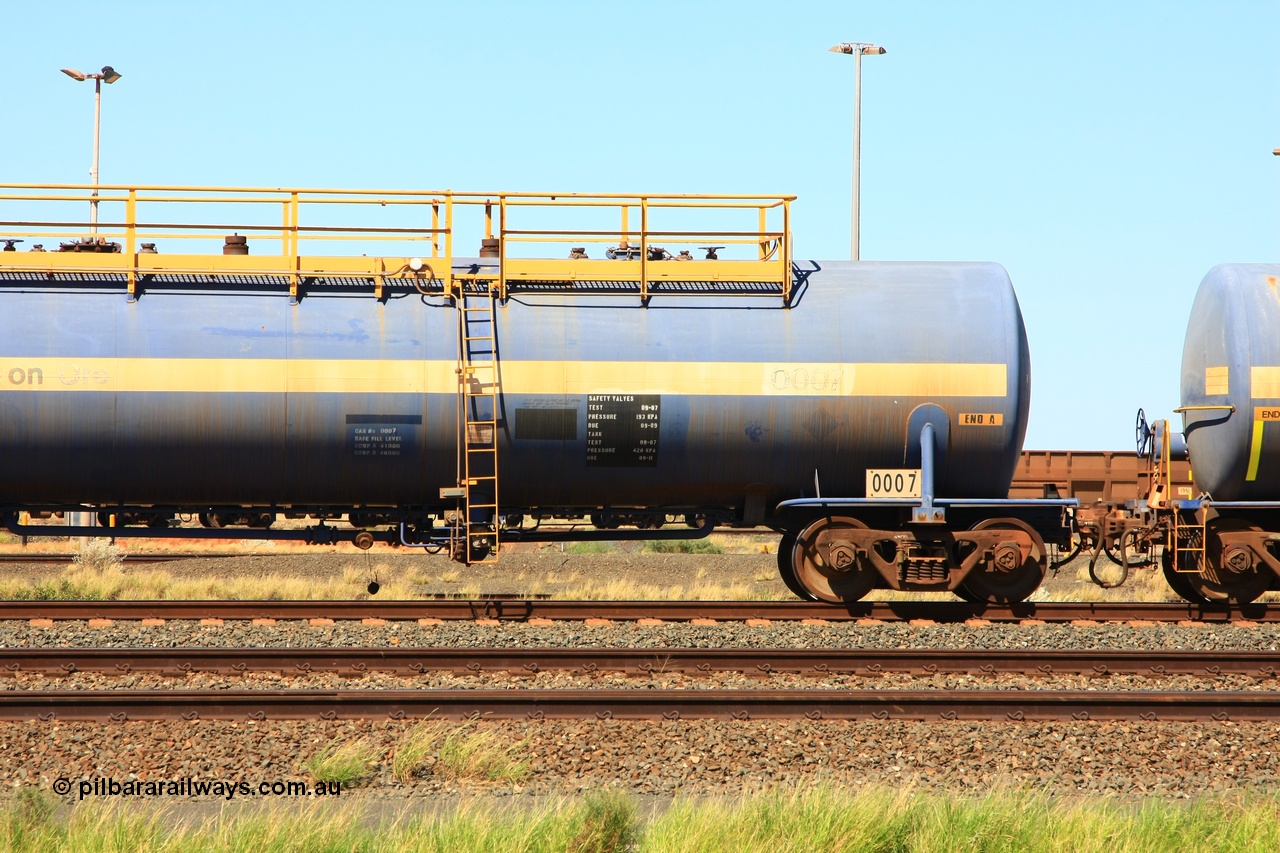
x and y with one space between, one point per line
522 610
688 661
992 705
64 559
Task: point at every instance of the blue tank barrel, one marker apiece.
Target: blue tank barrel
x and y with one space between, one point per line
224 395
1231 383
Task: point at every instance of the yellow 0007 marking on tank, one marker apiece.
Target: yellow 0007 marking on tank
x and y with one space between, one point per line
381 376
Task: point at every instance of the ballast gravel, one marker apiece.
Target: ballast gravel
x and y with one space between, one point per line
685 757
795 635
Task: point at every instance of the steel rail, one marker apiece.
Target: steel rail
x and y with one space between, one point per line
997 705
63 559
518 610
689 661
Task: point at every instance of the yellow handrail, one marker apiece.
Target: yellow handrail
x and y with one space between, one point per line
306 219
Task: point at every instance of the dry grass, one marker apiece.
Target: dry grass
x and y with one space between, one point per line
119 583
344 762
459 751
622 589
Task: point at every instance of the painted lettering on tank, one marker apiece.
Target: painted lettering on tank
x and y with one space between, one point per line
803 379
623 430
981 419
381 436
23 376
72 375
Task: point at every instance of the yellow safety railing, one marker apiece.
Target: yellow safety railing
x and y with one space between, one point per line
386 229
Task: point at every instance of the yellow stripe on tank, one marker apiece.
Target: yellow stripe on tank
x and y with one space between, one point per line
1261 416
1264 384
353 376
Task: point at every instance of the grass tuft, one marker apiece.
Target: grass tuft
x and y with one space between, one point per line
588 548
459 752
98 555
346 763
683 546
608 824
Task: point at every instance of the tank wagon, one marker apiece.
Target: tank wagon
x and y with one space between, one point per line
1220 542
657 373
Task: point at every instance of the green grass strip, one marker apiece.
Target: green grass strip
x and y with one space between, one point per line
821 821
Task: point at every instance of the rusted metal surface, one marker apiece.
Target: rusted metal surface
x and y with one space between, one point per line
675 611
1008 705
1092 475
758 662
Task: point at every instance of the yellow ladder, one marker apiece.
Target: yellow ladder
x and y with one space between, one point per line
478 422
1188 544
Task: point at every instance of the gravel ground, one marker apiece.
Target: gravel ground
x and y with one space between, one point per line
849 635
687 757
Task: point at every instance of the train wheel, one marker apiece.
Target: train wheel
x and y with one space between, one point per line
1228 575
786 567
1006 581
1178 580
827 573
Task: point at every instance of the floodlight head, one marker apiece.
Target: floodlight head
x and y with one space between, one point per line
75 75
842 47
110 75
872 50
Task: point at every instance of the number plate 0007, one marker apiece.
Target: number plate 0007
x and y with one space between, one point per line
893 482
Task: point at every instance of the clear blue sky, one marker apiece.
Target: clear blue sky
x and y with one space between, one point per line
1107 153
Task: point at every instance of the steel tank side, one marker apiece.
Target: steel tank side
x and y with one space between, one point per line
770 395
208 397
1231 357
232 396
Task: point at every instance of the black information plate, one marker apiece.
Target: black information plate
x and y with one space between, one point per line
622 430
382 436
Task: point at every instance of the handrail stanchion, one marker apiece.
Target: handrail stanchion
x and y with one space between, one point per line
644 250
435 229
130 246
448 243
502 248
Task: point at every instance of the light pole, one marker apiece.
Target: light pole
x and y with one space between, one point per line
857 49
109 75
